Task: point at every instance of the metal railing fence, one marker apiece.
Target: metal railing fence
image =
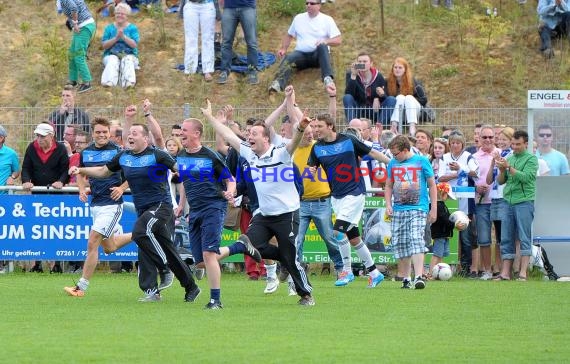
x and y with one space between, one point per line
21 121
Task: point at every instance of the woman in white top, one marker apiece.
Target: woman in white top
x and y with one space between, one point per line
456 168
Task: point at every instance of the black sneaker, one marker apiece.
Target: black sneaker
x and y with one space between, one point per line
84 87
307 301
191 295
71 83
56 269
214 305
419 283
473 275
406 284
249 248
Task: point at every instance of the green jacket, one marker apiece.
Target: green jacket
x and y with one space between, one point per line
521 185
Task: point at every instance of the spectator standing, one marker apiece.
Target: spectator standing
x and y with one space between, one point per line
9 168
360 98
314 33
45 164
556 160
245 13
483 198
409 178
499 206
403 91
440 147
83 30
518 173
176 131
69 136
442 229
554 16
199 19
120 56
9 163
68 114
81 142
116 133
106 201
458 165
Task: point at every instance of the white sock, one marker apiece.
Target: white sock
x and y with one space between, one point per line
344 249
271 270
83 284
364 255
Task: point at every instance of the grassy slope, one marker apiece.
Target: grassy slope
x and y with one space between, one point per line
461 319
456 72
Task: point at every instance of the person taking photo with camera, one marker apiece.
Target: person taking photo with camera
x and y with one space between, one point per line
360 98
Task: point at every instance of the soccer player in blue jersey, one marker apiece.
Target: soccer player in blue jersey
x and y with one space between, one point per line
410 177
106 200
339 155
209 186
145 169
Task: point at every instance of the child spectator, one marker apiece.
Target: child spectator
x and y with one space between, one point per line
442 228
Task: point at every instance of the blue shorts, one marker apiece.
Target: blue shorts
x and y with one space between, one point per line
441 247
205 231
408 228
499 209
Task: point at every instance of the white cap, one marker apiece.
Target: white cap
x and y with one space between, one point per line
44 129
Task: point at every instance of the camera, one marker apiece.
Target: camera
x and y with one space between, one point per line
359 66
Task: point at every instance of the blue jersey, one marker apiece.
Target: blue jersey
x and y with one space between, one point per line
101 188
410 189
147 174
339 159
203 173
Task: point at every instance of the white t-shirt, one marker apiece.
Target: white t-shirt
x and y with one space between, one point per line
273 176
309 30
467 164
543 167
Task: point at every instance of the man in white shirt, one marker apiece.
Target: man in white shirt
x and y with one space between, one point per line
314 33
272 173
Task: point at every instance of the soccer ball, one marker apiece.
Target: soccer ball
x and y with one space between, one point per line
442 272
460 219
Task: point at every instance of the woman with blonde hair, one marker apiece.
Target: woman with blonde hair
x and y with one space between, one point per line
403 91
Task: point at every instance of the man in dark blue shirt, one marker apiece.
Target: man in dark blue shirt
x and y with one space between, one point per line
209 186
106 201
145 169
338 154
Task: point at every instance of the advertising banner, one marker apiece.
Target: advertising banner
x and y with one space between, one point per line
56 227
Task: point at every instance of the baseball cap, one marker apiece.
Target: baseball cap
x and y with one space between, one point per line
3 131
44 129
